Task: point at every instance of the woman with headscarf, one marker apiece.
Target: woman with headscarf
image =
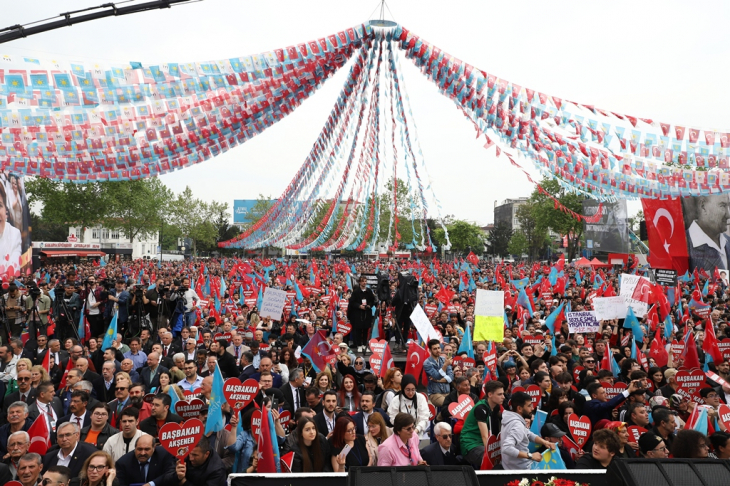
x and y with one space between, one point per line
409 401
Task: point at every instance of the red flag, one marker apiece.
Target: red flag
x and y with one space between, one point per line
472 258
317 350
605 363
69 367
689 353
267 463
664 306
652 318
658 351
47 361
387 361
287 461
667 239
416 356
40 435
709 345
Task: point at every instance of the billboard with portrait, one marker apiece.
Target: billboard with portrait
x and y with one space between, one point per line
706 229
611 232
15 242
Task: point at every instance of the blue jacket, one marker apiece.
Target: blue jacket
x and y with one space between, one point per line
597 410
432 368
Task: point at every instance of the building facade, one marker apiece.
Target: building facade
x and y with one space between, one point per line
507 212
113 242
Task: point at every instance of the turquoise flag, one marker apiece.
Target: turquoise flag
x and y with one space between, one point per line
537 423
111 333
551 459
215 421
173 397
466 343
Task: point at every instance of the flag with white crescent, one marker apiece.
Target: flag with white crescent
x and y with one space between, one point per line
667 238
40 435
416 357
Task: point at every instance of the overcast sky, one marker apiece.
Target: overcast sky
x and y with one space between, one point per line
661 60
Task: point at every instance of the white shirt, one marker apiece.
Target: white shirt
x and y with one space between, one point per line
63 461
187 386
699 238
10 244
91 299
365 417
80 422
295 398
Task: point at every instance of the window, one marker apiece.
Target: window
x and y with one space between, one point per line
95 234
105 234
115 235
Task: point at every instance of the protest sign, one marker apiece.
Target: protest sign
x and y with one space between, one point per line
582 322
422 324
609 308
179 439
238 394
187 410
636 292
489 316
667 278
273 303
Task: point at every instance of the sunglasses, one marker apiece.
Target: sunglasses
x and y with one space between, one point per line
121 388
26 378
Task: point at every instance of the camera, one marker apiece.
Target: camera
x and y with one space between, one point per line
138 291
34 292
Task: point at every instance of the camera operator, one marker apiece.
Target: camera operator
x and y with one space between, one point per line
155 302
138 313
95 298
191 301
66 311
38 305
122 298
14 310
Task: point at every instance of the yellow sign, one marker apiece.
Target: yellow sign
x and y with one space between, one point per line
487 328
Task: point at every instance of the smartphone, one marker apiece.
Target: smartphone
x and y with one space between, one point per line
275 403
345 450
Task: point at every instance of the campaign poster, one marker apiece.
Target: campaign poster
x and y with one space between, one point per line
15 241
611 232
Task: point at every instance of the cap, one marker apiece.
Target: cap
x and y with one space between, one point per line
615 425
601 424
648 441
551 430
342 345
509 364
706 391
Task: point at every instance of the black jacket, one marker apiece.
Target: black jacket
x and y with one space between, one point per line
144 377
161 469
360 318
228 366
82 452
434 457
211 473
149 425
103 436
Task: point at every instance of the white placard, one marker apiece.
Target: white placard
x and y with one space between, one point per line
582 322
423 325
609 308
273 303
633 286
489 303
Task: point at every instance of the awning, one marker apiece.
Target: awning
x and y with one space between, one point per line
60 253
71 253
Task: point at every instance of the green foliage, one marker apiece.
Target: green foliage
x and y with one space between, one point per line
409 207
69 204
534 233
263 204
196 219
136 208
499 239
548 217
464 237
518 244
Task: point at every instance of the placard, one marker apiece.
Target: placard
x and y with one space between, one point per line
609 308
635 292
422 324
668 278
272 304
489 315
582 322
372 281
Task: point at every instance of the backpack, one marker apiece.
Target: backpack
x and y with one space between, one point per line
379 398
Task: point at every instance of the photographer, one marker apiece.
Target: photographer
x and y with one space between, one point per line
38 307
191 301
66 311
14 309
121 297
155 302
95 298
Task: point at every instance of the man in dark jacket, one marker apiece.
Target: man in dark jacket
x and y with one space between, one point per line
202 467
461 387
360 314
442 452
160 415
598 407
159 468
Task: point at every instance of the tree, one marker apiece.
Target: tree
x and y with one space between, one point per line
635 221
518 244
548 217
263 204
464 236
69 204
499 239
137 208
195 218
534 234
409 208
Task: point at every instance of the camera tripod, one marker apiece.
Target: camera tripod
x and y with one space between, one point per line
69 322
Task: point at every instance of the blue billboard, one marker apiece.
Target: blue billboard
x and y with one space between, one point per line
241 210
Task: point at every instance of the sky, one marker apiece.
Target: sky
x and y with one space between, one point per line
660 60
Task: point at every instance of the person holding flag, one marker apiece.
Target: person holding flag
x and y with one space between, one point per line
516 436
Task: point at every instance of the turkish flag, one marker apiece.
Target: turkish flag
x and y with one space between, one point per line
709 344
658 351
416 356
40 435
667 239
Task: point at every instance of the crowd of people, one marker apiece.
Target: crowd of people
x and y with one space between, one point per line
181 322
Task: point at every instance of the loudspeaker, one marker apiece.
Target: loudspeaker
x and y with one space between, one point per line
643 235
668 472
412 476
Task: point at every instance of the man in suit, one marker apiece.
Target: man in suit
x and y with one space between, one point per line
293 391
121 391
441 452
159 465
160 414
77 407
68 442
107 375
82 364
37 349
46 403
325 420
24 394
707 239
247 369
61 356
64 394
237 348
169 348
150 374
367 408
265 365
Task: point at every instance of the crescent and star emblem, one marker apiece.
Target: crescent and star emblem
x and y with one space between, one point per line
418 359
663 213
